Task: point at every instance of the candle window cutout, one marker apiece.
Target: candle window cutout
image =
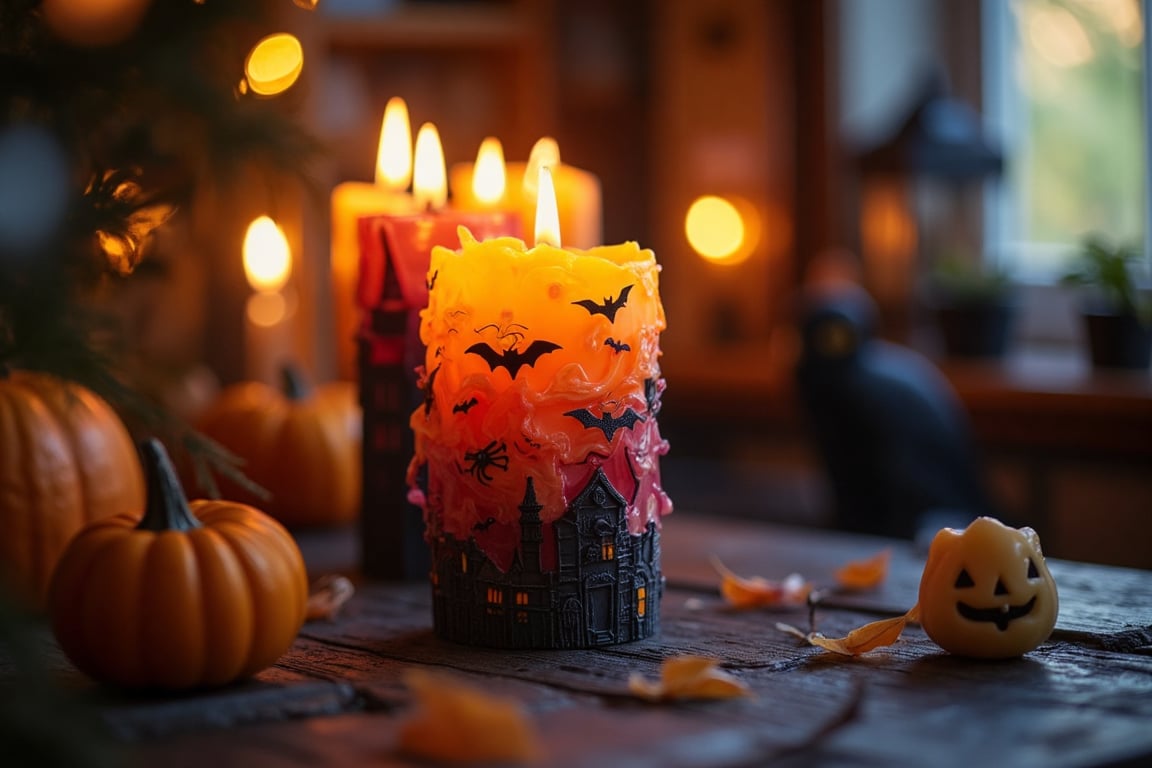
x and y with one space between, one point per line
537 445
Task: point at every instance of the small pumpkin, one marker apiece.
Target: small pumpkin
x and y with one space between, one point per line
191 595
986 591
66 459
302 444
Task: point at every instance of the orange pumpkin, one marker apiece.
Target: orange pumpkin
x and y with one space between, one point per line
192 595
302 445
66 459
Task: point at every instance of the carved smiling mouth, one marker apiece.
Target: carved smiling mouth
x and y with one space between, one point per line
1001 617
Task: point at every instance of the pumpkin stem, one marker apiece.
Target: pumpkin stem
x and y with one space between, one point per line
167 508
294 384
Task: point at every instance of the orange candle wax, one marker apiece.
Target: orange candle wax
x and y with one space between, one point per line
542 363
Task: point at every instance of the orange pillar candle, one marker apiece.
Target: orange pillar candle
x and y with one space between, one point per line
352 200
538 434
578 194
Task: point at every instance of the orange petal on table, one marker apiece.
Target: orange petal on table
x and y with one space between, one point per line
873 635
864 574
688 677
454 722
757 592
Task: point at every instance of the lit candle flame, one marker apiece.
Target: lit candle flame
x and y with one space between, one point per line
488 175
430 177
545 154
267 258
547 216
394 155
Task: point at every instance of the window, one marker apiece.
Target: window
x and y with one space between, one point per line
495 601
1064 90
641 601
607 548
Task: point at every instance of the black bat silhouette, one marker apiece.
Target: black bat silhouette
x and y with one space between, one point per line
464 406
619 346
605 423
512 359
484 525
610 305
428 398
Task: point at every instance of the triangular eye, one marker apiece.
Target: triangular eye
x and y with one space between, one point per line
964 580
1032 572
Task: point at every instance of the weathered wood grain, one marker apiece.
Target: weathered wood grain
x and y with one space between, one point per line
338 697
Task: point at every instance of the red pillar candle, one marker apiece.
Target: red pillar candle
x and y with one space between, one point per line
392 288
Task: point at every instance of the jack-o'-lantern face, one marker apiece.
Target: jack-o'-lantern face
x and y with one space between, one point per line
986 591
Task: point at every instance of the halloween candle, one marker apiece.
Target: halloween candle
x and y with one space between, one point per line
537 448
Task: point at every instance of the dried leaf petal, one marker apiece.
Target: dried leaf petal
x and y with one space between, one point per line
688 677
865 574
327 596
454 722
862 639
758 592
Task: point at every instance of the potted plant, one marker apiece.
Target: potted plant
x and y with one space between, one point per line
1117 318
974 305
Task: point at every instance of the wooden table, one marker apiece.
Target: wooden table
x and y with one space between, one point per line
336 699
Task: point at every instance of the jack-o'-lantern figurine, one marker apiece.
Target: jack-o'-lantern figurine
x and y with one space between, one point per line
986 591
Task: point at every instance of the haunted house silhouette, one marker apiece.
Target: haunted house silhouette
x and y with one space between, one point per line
605 587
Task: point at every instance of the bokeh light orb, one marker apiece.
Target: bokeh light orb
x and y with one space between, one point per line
274 64
722 230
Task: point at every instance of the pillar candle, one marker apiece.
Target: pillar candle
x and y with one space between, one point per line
537 445
578 194
352 200
392 288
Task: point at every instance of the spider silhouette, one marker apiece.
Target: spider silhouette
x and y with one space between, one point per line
480 462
